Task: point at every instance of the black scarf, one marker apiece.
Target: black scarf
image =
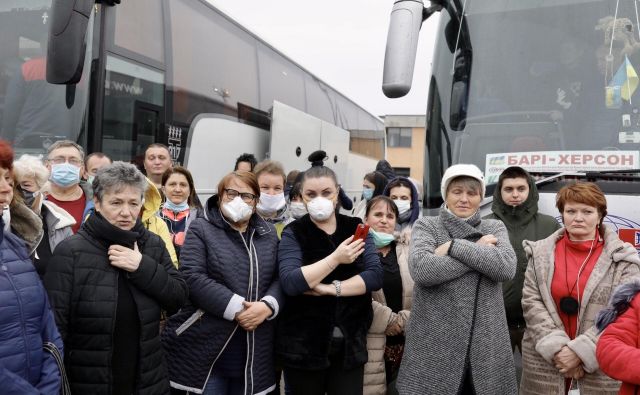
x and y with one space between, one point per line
460 228
99 228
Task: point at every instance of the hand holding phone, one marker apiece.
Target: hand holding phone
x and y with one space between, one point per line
361 232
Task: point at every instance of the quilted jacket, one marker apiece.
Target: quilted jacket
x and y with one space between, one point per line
223 266
26 322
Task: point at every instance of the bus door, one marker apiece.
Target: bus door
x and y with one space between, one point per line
133 112
295 135
147 121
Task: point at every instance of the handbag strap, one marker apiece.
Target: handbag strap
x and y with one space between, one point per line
65 388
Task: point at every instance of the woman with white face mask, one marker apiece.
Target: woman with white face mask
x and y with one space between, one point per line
392 304
181 206
223 342
272 205
328 278
297 208
405 195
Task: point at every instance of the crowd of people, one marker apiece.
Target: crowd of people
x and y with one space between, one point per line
119 280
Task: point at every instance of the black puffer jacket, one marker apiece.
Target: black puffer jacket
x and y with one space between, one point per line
83 289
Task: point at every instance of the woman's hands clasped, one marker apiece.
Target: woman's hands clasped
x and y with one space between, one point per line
568 363
253 314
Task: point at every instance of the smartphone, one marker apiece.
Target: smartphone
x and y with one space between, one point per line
361 232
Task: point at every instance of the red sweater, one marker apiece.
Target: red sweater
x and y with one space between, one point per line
618 349
569 256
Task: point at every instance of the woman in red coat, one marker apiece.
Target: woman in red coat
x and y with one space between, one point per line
618 349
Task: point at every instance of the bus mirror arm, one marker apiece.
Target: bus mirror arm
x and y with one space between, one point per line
428 11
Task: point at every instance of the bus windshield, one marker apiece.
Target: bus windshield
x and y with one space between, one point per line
553 86
34 113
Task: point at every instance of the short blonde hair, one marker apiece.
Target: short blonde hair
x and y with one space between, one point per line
270 167
29 166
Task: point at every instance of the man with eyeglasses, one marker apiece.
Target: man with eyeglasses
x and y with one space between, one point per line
65 161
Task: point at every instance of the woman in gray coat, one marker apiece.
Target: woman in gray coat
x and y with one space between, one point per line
457 340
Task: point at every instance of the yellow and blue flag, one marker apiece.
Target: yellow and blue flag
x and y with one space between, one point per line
626 78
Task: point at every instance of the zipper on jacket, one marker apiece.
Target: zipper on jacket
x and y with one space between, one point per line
224 346
22 318
248 367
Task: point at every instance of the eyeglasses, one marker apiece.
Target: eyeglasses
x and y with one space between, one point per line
245 196
61 159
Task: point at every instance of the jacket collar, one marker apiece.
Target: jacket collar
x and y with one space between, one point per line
61 218
152 201
26 224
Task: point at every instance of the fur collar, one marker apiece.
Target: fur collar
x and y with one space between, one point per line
619 303
27 225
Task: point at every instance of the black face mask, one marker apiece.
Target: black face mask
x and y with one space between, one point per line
28 197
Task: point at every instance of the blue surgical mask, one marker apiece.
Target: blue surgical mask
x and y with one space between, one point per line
168 204
381 239
65 174
367 193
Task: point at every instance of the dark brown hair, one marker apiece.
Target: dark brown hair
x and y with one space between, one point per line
384 199
192 201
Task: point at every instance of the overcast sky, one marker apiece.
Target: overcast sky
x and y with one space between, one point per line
340 41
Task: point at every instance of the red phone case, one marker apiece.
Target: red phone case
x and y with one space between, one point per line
361 232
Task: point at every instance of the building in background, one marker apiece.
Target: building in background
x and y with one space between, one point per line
405 144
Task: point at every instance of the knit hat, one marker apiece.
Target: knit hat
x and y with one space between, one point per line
460 170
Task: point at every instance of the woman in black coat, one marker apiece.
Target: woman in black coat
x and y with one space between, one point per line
328 278
108 284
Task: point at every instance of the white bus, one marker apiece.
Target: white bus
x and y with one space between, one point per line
551 86
177 72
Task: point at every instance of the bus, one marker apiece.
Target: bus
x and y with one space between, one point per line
130 74
551 86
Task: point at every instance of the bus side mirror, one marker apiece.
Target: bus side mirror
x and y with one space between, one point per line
402 44
66 49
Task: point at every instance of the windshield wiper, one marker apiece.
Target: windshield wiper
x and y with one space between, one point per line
613 174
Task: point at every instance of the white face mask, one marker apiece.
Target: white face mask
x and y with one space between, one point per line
403 205
320 208
297 210
237 210
270 204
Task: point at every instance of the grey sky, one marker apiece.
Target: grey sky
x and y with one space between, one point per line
340 41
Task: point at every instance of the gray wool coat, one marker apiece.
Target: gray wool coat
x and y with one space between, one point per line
458 317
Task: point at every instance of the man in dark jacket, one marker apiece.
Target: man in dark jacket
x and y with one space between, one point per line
515 202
